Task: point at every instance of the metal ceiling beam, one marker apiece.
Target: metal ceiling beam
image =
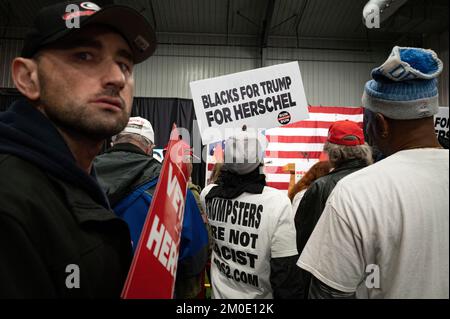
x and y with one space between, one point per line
152 11
299 20
418 14
266 23
240 35
284 21
228 19
239 14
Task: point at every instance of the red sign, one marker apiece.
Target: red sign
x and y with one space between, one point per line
154 266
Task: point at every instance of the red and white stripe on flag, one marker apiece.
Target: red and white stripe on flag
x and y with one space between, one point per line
302 142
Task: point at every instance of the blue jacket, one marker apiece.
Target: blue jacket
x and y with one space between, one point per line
129 178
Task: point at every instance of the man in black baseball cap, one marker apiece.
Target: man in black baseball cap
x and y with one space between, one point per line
55 22
58 236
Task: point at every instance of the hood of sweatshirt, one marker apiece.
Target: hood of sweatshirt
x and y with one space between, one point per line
28 134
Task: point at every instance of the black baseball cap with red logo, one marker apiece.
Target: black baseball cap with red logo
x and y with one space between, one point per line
57 21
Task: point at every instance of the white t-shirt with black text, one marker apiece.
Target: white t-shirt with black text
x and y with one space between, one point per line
384 232
248 231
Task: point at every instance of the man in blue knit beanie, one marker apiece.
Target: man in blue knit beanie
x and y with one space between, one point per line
385 230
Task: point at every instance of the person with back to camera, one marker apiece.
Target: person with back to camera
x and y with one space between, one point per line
384 231
299 189
347 153
252 225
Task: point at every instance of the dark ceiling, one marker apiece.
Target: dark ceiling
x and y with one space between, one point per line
262 19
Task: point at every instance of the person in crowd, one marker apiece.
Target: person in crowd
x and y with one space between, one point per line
58 235
384 230
126 167
254 251
299 189
217 154
215 173
129 174
194 188
443 141
347 153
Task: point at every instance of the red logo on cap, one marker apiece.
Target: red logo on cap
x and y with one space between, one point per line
76 14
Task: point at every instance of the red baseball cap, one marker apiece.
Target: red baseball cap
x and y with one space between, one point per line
346 133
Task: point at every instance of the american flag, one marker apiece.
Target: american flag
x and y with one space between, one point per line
299 143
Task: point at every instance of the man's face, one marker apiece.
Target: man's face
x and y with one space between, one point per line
86 83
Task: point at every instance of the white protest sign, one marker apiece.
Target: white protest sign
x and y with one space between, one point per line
260 99
441 123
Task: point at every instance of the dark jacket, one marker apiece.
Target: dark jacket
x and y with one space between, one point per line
125 167
54 217
312 205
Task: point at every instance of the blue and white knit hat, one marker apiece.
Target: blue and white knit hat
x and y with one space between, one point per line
405 86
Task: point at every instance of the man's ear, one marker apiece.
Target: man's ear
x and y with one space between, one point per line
381 125
25 77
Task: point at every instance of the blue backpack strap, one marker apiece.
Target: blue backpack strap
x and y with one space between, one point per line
194 240
133 209
129 200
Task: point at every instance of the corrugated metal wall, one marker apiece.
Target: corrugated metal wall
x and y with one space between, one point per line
9 49
440 44
168 73
330 77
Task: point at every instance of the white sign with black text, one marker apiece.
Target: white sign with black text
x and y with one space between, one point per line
260 99
441 123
